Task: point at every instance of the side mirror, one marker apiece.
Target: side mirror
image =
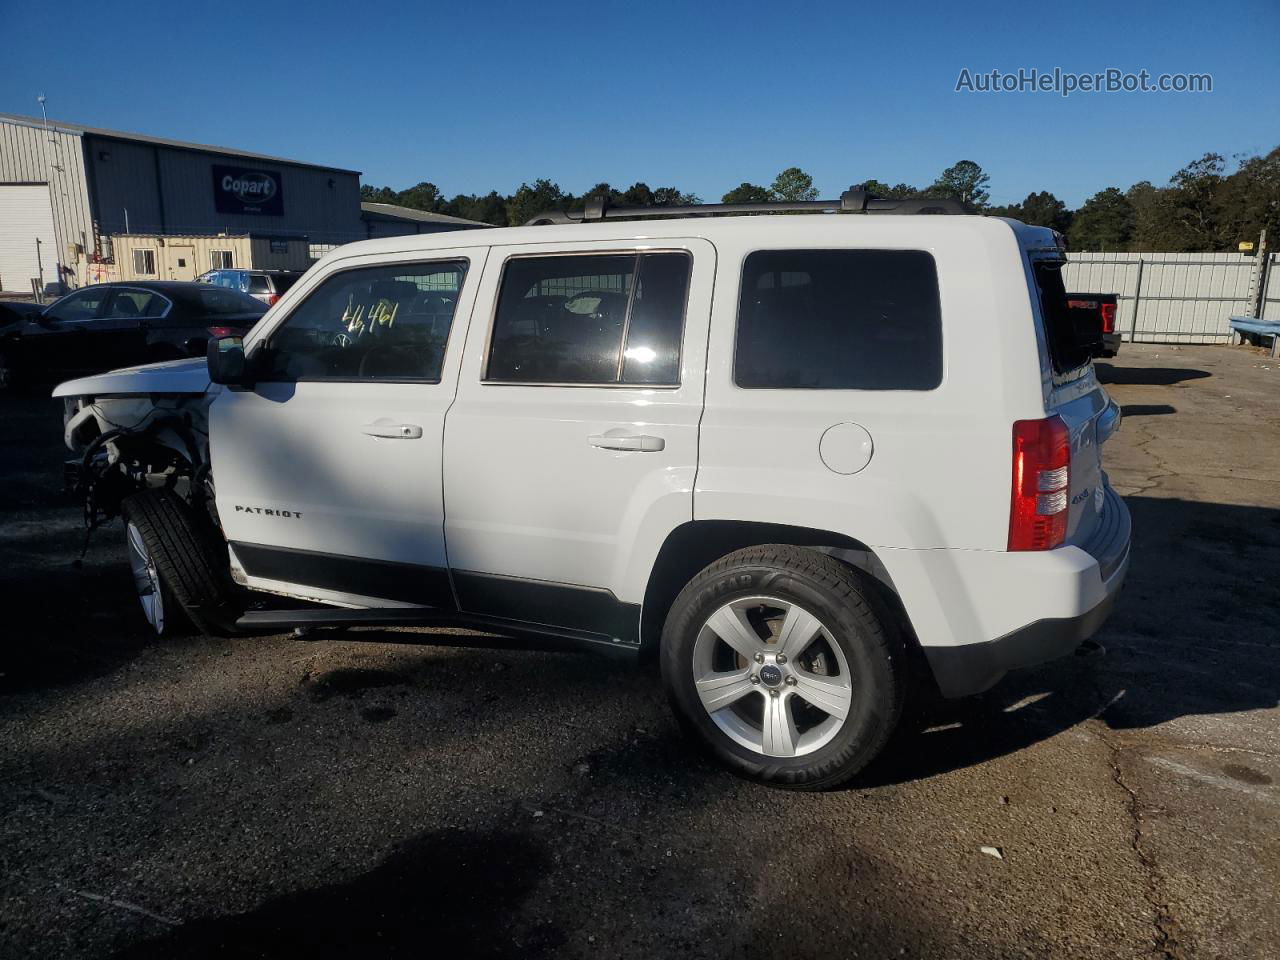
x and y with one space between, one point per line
227 364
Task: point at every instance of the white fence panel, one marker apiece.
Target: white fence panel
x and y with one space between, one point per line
1170 297
1271 296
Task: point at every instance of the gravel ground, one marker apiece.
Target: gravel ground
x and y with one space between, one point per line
283 798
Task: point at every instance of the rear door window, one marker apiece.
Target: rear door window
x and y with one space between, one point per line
594 319
232 279
135 303
839 320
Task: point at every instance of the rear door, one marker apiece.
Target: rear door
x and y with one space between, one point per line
571 449
1074 394
122 328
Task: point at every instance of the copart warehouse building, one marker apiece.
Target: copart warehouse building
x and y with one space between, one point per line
80 205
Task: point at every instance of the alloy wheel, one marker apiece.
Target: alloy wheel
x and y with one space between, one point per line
771 677
146 579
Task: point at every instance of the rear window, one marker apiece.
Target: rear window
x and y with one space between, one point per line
220 301
1067 330
839 320
259 284
232 279
286 280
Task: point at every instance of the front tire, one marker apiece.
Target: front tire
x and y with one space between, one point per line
785 664
179 569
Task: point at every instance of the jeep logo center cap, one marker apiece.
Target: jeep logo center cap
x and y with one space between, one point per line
770 675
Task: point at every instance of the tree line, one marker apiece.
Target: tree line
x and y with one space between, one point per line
1211 204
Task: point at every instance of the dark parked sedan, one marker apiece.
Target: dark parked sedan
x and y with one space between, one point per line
113 325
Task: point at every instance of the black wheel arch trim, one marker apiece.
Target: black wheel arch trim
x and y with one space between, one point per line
696 544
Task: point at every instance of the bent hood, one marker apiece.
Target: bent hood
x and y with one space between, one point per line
189 375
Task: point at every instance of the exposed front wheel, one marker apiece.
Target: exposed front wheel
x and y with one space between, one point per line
779 659
179 569
156 599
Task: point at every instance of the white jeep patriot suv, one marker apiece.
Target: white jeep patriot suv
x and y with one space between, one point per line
809 461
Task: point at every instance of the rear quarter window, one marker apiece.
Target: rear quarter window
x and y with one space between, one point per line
839 320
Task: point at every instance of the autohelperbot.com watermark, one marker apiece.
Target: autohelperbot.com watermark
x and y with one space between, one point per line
1065 82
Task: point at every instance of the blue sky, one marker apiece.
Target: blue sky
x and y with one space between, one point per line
701 96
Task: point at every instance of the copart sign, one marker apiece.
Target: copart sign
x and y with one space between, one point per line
244 190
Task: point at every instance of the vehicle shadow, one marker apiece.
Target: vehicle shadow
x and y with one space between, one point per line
449 893
1147 409
1147 376
68 623
1196 632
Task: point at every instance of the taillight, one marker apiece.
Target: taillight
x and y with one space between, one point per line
223 332
1041 479
1108 318
272 298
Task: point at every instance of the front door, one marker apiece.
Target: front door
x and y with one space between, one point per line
571 450
64 340
328 471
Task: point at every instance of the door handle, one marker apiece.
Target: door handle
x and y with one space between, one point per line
392 431
641 442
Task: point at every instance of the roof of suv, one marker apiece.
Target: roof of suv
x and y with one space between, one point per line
788 229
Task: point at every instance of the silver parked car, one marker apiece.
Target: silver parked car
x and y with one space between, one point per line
265 285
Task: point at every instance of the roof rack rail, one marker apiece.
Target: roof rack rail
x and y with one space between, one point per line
851 201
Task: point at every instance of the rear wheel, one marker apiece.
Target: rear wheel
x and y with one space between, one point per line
179 569
783 663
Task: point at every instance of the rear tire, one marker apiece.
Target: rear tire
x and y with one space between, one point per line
179 567
786 665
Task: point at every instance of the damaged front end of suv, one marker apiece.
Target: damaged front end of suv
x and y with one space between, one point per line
141 440
137 429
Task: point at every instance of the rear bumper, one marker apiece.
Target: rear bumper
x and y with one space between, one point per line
975 667
968 668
